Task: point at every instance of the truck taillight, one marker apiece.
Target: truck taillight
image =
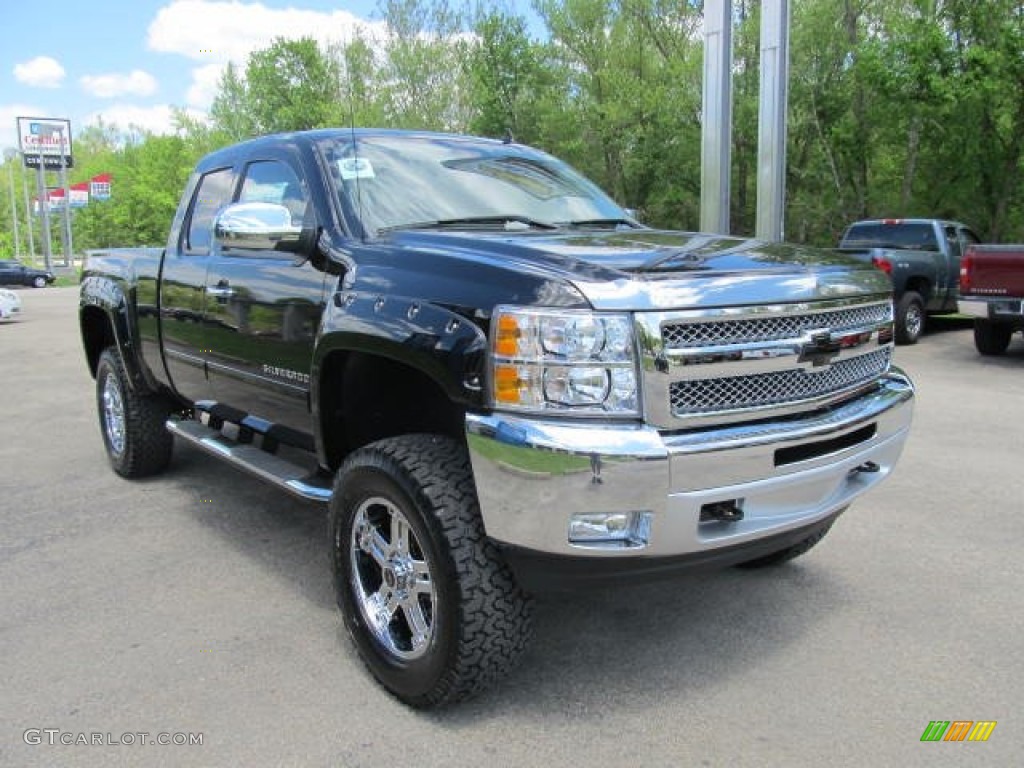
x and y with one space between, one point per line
966 267
883 264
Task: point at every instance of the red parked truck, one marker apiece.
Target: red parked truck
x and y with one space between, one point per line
992 292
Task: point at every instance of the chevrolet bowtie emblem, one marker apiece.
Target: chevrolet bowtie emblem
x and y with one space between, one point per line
820 351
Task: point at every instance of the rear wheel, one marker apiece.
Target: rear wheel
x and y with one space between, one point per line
910 318
992 338
132 424
433 611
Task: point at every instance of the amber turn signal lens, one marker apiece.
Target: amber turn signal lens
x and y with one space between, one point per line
506 384
507 342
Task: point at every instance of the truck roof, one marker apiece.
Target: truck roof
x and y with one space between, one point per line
306 138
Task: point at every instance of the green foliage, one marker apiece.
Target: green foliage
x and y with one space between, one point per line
897 107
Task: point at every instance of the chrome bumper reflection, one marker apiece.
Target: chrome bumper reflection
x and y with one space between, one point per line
533 475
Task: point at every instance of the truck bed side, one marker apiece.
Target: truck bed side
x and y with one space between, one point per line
994 270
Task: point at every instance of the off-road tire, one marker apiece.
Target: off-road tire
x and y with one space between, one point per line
787 554
142 445
480 619
992 338
910 318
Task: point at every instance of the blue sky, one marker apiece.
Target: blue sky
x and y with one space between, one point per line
129 61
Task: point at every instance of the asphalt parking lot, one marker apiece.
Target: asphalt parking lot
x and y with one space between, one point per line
200 602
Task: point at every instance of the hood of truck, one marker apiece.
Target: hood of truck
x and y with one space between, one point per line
645 269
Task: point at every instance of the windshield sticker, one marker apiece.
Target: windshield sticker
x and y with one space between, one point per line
355 168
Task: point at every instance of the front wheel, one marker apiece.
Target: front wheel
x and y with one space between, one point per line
39 281
992 338
910 318
789 553
132 423
432 609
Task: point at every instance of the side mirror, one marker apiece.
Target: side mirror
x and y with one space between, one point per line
258 227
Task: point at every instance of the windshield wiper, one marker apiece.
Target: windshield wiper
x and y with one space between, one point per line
508 222
600 223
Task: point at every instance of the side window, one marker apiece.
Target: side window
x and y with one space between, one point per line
212 194
968 238
953 241
270 181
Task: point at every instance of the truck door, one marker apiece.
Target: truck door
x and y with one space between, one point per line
950 278
263 310
182 282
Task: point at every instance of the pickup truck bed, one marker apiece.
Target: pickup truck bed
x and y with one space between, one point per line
992 292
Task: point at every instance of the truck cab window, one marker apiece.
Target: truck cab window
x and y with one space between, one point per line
212 193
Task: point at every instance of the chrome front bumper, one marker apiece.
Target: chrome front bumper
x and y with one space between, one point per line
533 475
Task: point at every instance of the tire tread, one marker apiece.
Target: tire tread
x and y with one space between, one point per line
494 625
148 445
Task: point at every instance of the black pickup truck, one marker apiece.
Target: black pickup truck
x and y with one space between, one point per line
496 380
922 256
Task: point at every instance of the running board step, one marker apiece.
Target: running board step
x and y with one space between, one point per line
284 474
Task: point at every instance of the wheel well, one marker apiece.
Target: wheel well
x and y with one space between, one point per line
365 398
920 286
97 335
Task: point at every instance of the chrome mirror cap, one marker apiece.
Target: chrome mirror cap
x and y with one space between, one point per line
258 227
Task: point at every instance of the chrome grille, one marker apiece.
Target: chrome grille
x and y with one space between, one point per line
771 327
699 396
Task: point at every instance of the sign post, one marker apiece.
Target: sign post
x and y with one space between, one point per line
44 213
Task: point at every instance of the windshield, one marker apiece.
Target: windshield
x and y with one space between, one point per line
395 182
915 236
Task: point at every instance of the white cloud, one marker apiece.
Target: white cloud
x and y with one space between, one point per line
9 113
40 72
210 31
204 85
157 119
114 84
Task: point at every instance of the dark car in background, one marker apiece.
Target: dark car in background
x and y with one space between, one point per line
13 272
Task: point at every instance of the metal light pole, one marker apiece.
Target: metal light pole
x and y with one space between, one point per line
9 156
772 120
716 128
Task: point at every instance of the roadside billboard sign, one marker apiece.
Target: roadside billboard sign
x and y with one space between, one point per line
48 138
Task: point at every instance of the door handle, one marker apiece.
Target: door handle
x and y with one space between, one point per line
221 290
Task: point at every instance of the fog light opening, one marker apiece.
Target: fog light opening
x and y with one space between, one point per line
610 529
729 511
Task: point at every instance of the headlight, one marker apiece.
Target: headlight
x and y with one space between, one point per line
566 361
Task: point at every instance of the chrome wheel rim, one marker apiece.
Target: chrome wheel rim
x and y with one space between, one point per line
391 580
914 321
113 415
